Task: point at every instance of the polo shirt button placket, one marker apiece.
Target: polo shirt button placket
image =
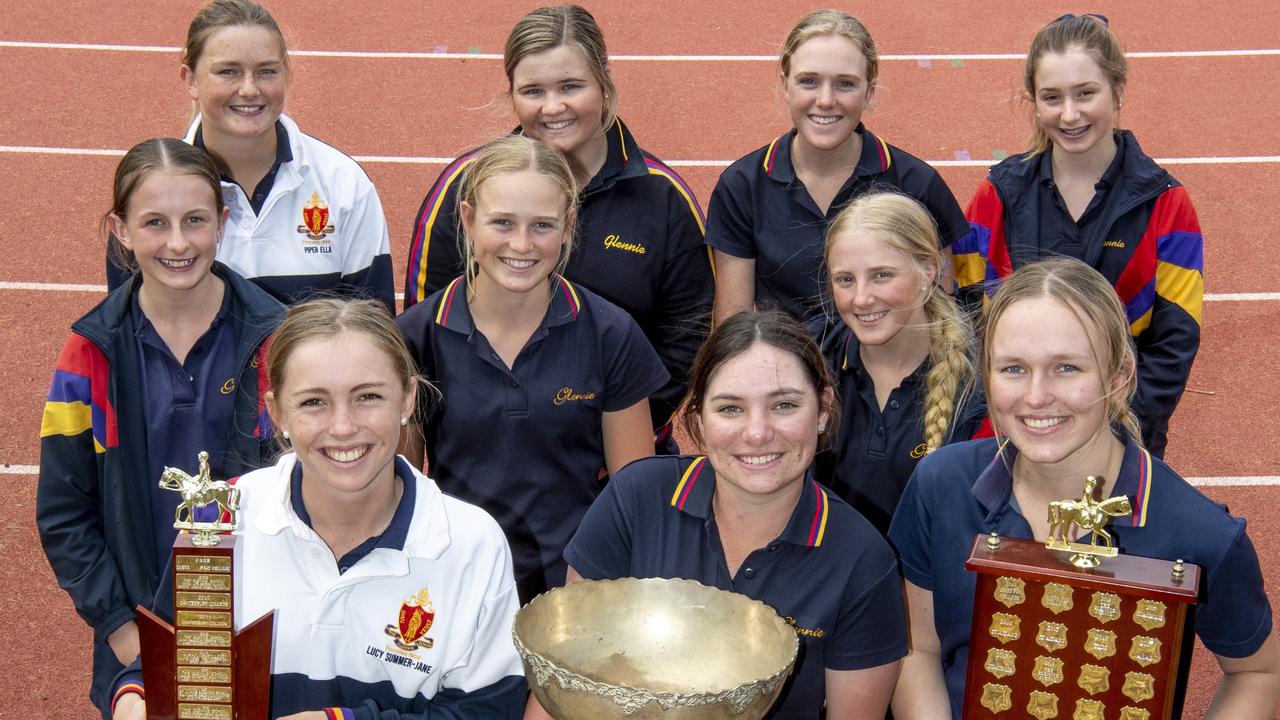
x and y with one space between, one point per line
748 573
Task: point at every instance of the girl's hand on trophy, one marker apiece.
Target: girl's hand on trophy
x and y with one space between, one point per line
130 706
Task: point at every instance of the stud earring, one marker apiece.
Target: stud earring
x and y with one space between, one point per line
404 421
822 427
284 434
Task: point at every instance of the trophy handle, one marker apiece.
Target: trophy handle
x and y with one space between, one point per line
158 671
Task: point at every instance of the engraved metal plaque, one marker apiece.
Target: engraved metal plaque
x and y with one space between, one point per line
204 638
202 619
199 674
200 581
203 600
202 564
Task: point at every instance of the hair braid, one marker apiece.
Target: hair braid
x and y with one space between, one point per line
951 367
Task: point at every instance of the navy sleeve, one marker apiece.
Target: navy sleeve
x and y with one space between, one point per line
601 547
684 312
946 212
435 257
1235 617
730 220
373 282
633 370
911 531
872 627
416 325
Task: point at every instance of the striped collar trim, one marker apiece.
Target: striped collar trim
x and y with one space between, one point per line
808 525
453 312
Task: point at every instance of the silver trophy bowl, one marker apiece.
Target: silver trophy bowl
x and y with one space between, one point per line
654 648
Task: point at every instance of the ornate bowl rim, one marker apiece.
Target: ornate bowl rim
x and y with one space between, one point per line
632 698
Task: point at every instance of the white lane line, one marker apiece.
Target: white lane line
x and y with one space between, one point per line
440 160
917 57
1255 480
7 469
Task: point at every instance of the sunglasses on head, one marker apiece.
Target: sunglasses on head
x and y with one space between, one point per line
1100 18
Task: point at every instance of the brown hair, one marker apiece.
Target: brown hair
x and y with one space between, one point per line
158 155
221 14
738 334
548 28
907 227
1095 304
1092 35
830 22
327 317
510 154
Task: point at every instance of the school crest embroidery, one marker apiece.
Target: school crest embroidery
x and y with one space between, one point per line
416 616
315 219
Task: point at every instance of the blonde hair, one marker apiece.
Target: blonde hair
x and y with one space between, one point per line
1094 37
830 22
511 154
326 317
572 26
1092 300
906 226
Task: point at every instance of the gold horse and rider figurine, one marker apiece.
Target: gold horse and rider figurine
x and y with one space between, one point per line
1091 515
200 491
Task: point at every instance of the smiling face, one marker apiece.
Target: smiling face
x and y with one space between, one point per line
759 422
559 101
877 288
1046 386
239 82
172 226
1075 103
517 227
827 90
341 403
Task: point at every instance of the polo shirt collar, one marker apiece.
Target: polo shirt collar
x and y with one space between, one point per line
994 485
623 158
284 152
396 532
808 525
851 362
453 312
1111 177
874 160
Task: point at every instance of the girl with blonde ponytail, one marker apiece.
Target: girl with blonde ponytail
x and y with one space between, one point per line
904 366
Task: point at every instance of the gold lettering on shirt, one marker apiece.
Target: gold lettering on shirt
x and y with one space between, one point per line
615 241
567 394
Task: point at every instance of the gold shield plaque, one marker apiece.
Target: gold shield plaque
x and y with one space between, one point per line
1000 662
1005 627
1100 643
1052 636
1145 650
1088 710
1149 614
1105 607
996 698
1094 679
1139 687
1011 591
1133 713
1047 670
1042 705
1057 597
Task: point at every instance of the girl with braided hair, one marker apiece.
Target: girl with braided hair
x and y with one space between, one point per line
903 365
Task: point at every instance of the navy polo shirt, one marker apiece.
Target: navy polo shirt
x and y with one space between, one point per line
760 210
877 448
829 573
965 489
181 402
283 155
526 443
392 536
1060 234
